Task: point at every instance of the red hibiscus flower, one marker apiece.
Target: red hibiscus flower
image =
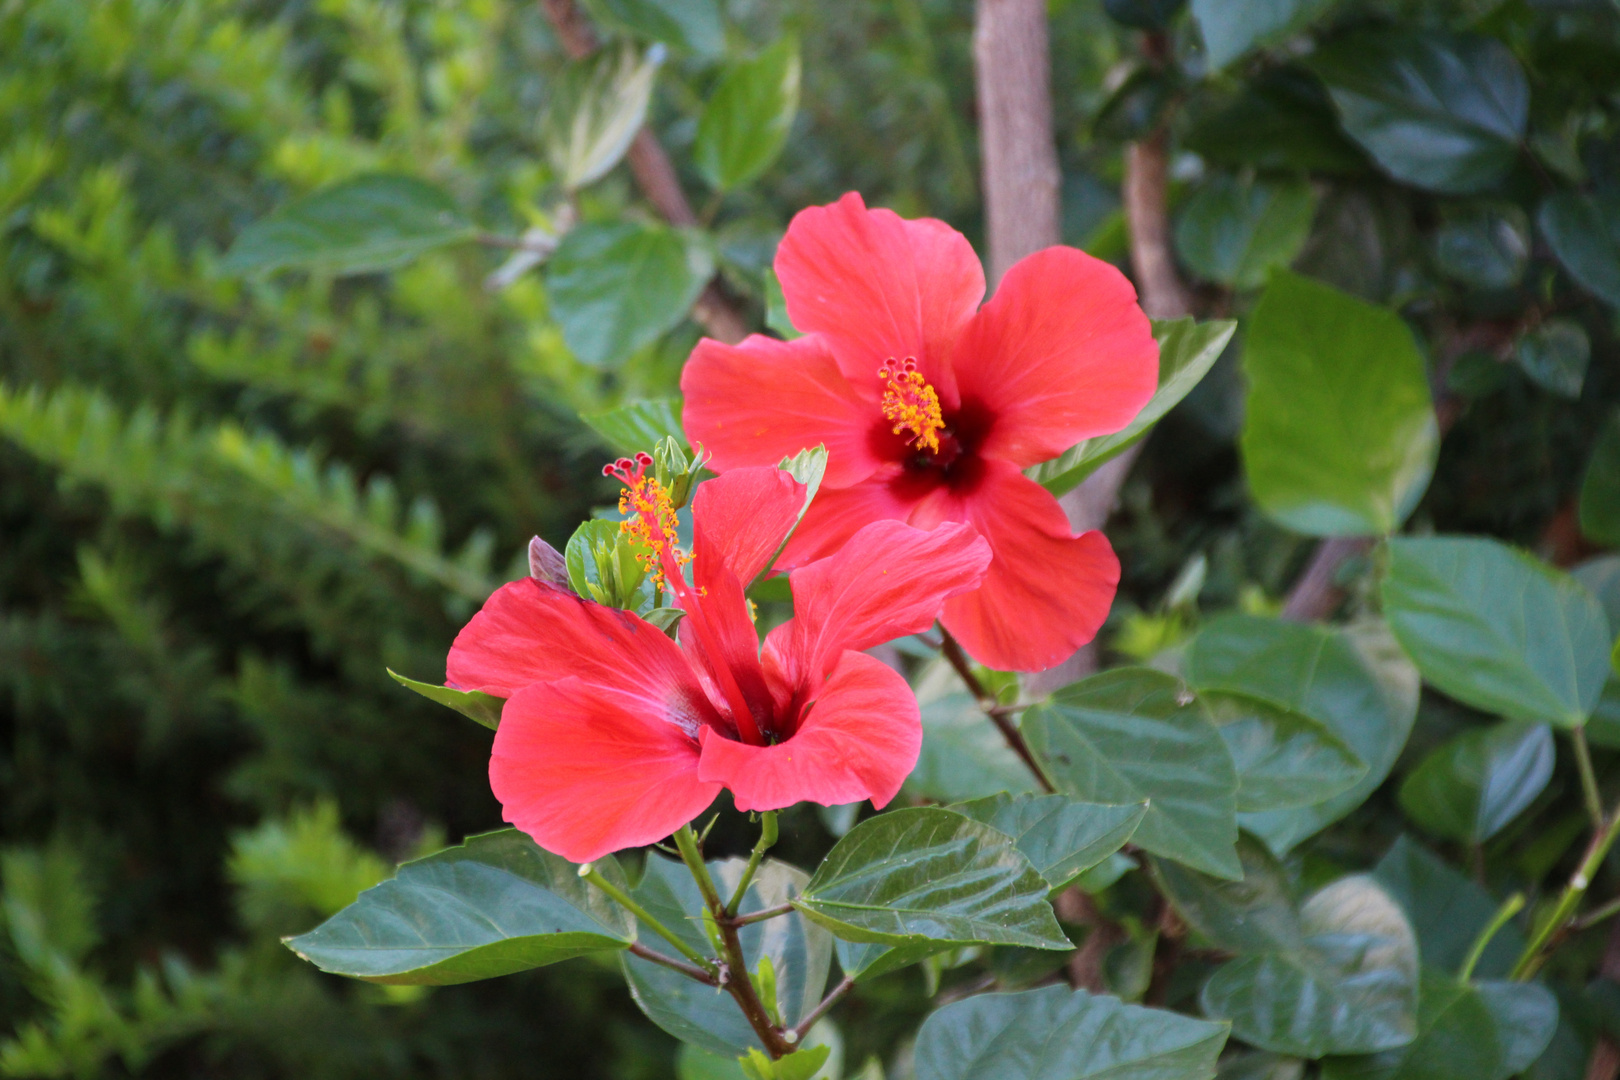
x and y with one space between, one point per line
614 736
931 406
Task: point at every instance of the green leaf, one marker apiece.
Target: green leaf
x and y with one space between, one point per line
1340 437
1187 350
776 316
1486 1031
1349 986
1600 489
921 875
1447 910
1497 629
1061 836
473 704
375 222
1054 1033
1261 1065
800 953
491 906
1484 246
692 25
1354 680
1440 111
1281 122
596 110
1235 231
1554 355
746 121
1284 758
799 1065
1584 232
617 287
1137 735
1233 27
1472 786
638 425
963 755
1142 14
1258 914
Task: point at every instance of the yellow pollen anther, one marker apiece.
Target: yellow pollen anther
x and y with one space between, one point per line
912 404
649 515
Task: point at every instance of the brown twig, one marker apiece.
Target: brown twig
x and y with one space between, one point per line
958 660
760 916
1076 906
654 174
691 971
820 1010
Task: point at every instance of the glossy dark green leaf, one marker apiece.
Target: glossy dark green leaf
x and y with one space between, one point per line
921 875
473 704
1440 111
1233 27
491 906
1284 758
1600 491
1554 355
1470 787
1133 735
800 953
638 425
692 25
963 755
1447 910
1143 14
1350 986
1484 246
1137 105
1062 837
1497 629
746 121
1282 121
616 287
1355 680
595 110
1259 914
1485 1031
1340 435
1235 230
1584 232
375 222
1054 1033
1187 350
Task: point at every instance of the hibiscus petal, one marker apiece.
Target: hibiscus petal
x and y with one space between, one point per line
1061 353
879 287
740 520
860 740
529 632
1046 593
838 514
764 400
585 772
889 580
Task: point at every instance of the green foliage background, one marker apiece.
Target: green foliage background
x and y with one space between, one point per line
228 504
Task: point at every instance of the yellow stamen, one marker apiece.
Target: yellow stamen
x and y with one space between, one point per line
649 517
912 404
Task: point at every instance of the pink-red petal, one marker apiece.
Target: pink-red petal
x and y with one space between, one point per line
1047 592
889 580
529 632
839 513
859 740
740 520
585 772
879 287
764 400
1061 353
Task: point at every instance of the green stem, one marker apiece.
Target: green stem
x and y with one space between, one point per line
761 916
1596 915
686 842
767 838
958 659
619 896
1510 907
1589 785
1602 840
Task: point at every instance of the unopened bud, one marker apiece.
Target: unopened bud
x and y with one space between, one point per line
547 564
